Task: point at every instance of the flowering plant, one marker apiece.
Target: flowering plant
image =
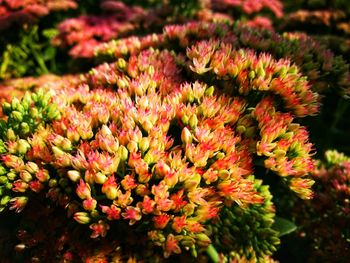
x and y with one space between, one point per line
175 146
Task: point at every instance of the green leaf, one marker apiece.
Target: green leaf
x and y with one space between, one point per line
283 226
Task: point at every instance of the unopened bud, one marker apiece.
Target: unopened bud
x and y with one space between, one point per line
123 153
43 176
25 129
186 136
17 116
74 175
121 63
144 144
203 240
100 178
31 167
209 91
22 146
132 146
105 131
25 176
193 121
82 217
4 200
6 108
10 134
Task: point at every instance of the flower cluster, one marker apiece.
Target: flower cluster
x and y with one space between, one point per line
324 70
86 32
324 220
250 6
260 240
145 155
19 11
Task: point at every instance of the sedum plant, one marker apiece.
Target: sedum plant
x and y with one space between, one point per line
160 146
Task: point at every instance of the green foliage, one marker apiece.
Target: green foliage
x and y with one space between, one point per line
31 55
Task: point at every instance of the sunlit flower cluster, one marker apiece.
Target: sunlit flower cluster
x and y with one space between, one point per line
25 11
323 69
164 143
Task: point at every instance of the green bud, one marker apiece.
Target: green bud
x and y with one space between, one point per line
94 213
3 179
14 103
209 91
261 72
203 240
34 113
193 121
2 170
52 183
251 74
6 108
11 176
82 217
10 134
240 129
53 112
26 100
185 119
4 200
25 129
22 146
20 108
8 185
17 116
2 147
123 153
121 63
144 144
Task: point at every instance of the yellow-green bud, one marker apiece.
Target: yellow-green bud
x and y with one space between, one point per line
22 146
251 74
14 103
185 119
203 240
121 63
193 121
31 167
10 134
241 129
3 179
186 136
4 200
123 153
82 217
6 108
100 178
144 144
11 176
73 175
53 112
209 91
25 128
17 116
132 146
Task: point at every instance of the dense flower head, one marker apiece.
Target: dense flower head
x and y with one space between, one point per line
20 11
323 69
164 143
251 6
324 220
85 32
